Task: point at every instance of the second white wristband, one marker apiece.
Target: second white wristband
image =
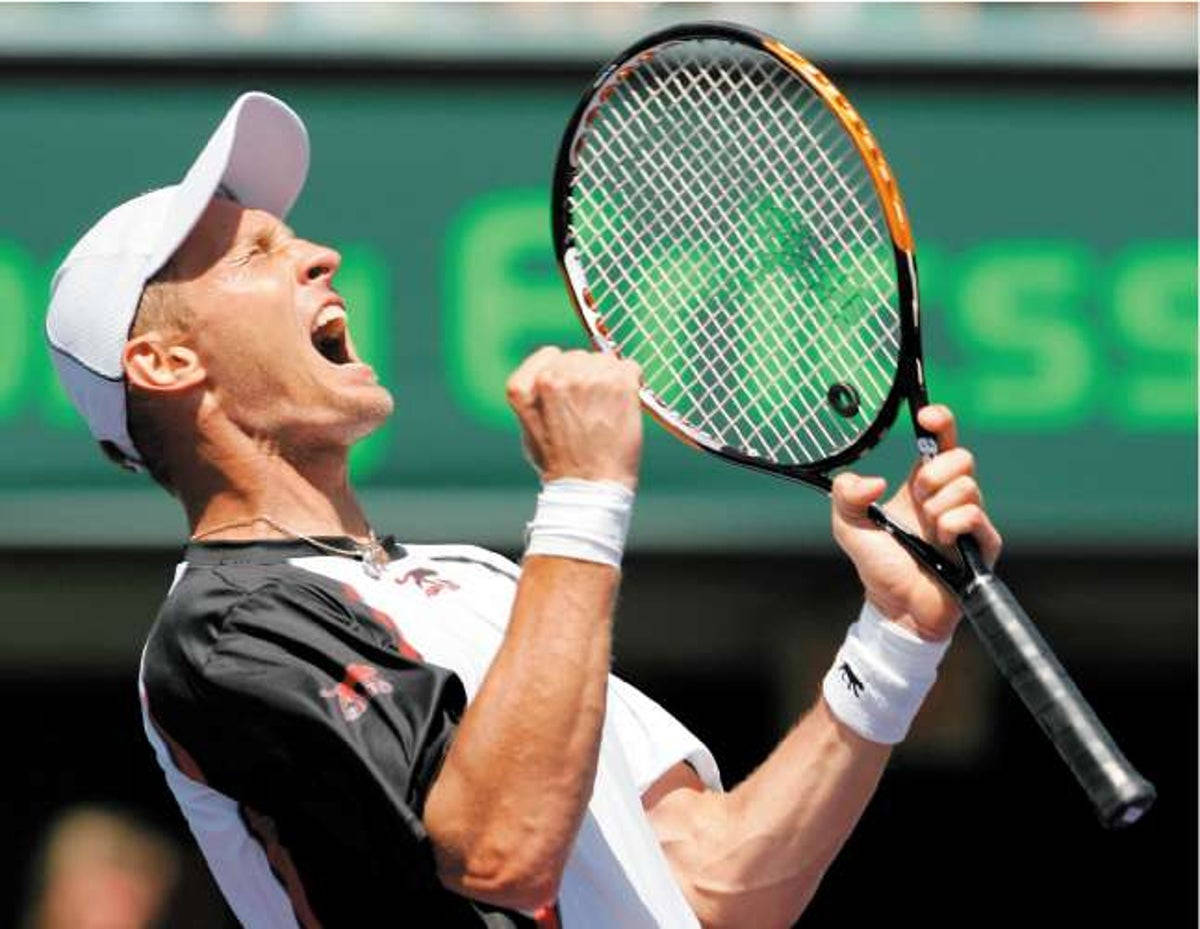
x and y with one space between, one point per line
880 677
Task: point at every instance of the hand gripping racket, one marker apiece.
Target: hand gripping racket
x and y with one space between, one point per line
724 217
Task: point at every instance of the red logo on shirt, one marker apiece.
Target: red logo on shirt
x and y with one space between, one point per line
358 677
384 621
428 581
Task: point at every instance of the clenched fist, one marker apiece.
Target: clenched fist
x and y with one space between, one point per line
579 414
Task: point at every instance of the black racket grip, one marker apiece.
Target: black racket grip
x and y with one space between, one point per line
1119 794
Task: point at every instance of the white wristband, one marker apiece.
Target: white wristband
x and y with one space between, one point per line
581 519
880 677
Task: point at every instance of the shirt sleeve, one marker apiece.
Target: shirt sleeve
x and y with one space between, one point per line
491 578
383 720
654 741
651 739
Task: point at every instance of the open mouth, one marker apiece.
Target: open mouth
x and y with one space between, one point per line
329 335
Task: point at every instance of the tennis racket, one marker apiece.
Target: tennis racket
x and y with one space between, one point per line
724 217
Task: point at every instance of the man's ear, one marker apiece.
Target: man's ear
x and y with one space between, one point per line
153 363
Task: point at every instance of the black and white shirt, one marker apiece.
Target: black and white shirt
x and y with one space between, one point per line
300 709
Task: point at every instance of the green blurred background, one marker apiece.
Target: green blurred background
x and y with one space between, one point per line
1048 156
1056 236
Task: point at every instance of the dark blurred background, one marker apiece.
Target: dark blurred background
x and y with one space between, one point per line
1048 156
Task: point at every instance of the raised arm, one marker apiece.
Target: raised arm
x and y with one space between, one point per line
505 808
754 857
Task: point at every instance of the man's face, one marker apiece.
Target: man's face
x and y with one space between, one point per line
271 332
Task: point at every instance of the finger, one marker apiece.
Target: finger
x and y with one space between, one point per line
970 519
628 373
632 370
939 471
939 420
852 495
611 371
960 491
530 453
578 372
520 386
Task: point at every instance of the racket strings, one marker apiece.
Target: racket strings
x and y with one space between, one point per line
710 342
832 206
814 219
781 402
734 247
705 194
701 369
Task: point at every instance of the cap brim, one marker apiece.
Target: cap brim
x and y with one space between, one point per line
258 155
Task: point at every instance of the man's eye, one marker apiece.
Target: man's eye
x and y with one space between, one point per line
260 247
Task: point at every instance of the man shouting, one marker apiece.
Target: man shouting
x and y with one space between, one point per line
428 735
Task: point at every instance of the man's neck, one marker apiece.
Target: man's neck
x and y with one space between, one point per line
309 497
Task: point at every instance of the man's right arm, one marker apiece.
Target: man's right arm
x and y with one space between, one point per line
505 807
504 810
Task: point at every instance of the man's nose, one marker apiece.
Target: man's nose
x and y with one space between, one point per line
319 262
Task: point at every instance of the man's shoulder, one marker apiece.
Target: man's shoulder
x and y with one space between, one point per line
202 590
211 603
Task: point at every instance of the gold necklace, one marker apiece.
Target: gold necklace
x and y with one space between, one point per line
372 554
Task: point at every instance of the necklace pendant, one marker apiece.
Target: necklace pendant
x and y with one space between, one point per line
374 560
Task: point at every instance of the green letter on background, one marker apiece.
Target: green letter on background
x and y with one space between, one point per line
1022 318
1154 311
19 322
53 405
364 281
944 370
504 297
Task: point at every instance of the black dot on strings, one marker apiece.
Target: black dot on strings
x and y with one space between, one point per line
843 398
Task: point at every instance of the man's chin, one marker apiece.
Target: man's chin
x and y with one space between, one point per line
372 409
336 422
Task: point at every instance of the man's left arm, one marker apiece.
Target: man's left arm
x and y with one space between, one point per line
754 856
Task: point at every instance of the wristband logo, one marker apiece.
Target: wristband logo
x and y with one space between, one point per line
853 684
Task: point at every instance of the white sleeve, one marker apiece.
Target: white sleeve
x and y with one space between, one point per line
653 740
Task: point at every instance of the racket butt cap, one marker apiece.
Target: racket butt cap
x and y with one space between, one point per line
1130 807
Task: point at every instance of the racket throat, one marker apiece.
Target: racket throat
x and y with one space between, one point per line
952 575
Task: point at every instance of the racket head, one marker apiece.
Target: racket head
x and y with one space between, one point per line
617 266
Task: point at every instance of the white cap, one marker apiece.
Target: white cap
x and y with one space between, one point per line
258 156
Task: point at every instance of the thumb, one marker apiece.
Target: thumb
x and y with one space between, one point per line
852 495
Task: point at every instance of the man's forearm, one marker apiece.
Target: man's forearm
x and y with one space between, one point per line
505 808
754 856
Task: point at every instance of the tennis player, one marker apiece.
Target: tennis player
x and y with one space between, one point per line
359 730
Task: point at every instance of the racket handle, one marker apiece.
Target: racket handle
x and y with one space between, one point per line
1119 794
972 557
